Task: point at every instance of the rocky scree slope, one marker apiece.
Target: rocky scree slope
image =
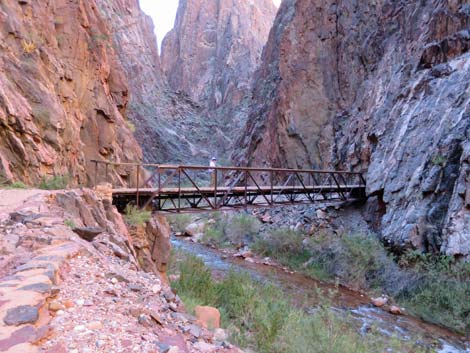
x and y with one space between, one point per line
63 95
379 87
211 54
73 278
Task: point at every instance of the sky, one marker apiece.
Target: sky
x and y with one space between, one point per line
163 13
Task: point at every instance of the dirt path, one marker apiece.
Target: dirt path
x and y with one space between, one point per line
62 294
10 200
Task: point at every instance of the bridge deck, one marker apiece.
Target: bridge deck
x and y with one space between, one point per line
235 190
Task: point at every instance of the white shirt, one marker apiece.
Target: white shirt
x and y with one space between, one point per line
211 164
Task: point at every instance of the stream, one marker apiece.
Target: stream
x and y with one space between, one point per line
302 291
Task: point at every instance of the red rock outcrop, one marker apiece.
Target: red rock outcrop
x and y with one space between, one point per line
379 88
63 94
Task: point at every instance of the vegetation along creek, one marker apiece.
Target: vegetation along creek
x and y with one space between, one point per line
205 259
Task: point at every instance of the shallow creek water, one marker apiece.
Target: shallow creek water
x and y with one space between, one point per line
302 291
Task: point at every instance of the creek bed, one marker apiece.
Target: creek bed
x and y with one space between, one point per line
302 291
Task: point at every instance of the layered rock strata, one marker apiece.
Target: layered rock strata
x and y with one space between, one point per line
63 94
374 87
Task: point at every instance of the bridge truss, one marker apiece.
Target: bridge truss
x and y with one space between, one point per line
184 189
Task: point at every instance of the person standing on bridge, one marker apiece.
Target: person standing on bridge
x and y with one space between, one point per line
213 163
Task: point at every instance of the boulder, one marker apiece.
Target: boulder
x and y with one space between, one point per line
88 233
395 310
208 316
193 229
24 314
379 302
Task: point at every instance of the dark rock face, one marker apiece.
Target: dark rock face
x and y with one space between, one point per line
375 87
63 95
215 46
210 56
88 233
164 120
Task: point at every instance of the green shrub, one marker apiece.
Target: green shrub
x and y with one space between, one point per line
18 185
435 288
179 222
56 182
70 223
242 227
14 185
285 245
439 160
135 216
196 281
214 235
440 292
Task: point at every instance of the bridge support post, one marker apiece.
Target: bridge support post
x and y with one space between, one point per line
272 187
179 190
215 190
137 191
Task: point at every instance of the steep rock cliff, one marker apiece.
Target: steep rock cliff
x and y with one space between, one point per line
211 54
62 91
215 46
379 87
163 119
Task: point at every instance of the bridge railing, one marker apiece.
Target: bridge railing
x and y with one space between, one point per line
215 187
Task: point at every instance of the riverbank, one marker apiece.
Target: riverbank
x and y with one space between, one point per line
361 259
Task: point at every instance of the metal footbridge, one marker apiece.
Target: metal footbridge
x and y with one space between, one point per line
185 189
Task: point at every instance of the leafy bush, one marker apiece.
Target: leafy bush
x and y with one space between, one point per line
440 292
242 227
285 245
135 216
56 182
435 288
18 185
196 281
214 235
14 185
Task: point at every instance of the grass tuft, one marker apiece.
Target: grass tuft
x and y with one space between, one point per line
134 216
70 223
57 182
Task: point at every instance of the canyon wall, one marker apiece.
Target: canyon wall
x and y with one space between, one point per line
211 54
63 94
380 87
215 46
162 118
